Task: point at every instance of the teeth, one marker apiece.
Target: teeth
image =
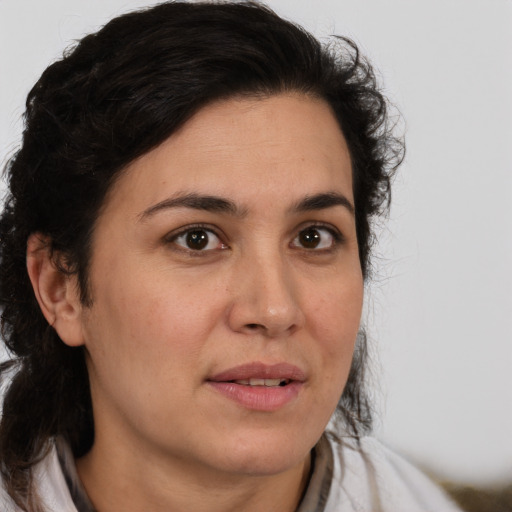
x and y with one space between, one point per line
262 382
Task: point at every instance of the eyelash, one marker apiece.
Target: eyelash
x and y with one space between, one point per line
337 238
171 239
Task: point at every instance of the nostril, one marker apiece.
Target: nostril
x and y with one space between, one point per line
253 327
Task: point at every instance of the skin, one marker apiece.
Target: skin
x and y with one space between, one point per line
166 317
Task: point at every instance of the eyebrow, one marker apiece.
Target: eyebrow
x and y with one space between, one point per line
323 201
196 202
217 204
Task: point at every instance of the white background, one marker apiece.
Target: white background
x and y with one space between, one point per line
440 307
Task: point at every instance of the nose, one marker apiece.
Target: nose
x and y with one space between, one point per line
265 300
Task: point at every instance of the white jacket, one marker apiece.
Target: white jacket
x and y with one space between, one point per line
347 477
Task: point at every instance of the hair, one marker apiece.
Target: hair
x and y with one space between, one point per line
113 97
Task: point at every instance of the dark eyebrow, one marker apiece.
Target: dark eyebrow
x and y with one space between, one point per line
196 202
323 201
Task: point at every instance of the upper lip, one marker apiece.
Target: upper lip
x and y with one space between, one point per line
258 370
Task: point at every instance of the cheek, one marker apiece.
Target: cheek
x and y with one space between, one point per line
154 321
336 321
142 345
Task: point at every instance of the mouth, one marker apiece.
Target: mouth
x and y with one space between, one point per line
258 386
261 374
269 383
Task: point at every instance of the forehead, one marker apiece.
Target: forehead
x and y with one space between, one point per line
283 145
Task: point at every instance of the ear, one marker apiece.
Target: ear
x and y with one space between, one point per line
56 292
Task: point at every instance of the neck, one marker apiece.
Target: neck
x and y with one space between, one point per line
124 480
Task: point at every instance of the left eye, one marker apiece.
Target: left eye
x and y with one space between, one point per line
198 239
315 237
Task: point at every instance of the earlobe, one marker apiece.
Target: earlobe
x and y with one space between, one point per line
56 292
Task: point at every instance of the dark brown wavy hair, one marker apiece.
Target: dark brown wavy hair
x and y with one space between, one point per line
112 98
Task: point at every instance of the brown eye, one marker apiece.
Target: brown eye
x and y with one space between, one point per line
199 240
309 238
315 238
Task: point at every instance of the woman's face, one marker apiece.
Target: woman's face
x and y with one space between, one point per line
226 290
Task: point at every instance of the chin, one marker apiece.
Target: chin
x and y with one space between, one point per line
266 455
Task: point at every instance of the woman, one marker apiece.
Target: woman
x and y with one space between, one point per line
184 250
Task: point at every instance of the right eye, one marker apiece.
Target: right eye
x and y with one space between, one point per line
198 240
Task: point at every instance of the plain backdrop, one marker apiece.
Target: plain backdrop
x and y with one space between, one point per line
439 310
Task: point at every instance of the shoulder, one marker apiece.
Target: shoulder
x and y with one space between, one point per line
49 484
5 500
369 477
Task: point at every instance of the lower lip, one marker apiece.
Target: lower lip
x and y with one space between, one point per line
258 398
